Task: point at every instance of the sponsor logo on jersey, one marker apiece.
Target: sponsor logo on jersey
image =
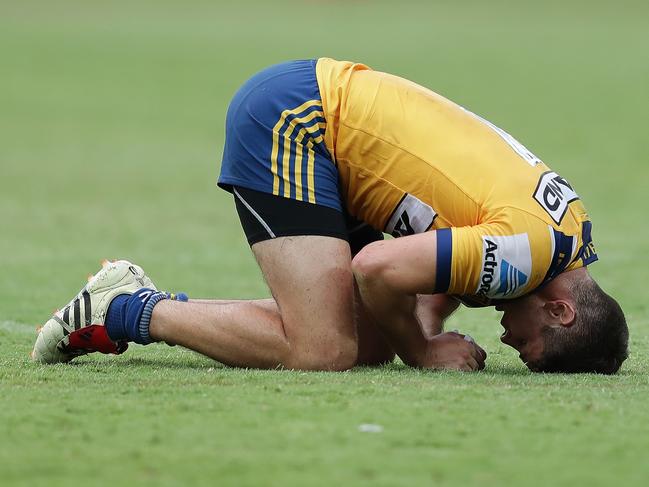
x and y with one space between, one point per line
489 265
554 194
510 278
506 266
410 216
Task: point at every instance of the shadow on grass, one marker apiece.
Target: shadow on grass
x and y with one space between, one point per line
399 367
200 363
153 362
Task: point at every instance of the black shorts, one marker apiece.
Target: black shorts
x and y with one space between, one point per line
264 216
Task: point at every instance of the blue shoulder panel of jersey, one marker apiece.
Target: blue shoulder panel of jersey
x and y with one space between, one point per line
563 245
587 252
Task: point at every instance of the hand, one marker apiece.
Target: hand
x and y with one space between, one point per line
452 351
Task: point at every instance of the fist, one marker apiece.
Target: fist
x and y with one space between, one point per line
454 351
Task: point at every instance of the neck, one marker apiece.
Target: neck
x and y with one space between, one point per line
562 285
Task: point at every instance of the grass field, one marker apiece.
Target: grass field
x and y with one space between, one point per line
111 128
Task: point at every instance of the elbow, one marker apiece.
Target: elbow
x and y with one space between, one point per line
370 266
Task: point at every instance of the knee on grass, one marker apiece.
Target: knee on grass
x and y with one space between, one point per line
336 355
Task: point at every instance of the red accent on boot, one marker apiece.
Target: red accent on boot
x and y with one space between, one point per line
94 338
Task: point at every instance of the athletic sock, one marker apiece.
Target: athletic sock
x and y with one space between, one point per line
114 323
128 317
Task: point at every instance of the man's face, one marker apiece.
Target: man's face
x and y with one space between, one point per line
524 320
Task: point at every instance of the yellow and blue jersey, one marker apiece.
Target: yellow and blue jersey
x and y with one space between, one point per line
407 160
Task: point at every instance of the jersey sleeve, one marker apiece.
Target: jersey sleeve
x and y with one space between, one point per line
489 262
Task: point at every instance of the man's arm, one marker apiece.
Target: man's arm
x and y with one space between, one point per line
432 311
390 274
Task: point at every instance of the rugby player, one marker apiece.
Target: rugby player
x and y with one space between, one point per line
321 157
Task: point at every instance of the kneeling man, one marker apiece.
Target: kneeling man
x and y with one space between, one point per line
321 157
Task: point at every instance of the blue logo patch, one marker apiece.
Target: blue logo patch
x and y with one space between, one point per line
510 278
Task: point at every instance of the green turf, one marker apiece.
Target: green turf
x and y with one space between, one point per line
111 127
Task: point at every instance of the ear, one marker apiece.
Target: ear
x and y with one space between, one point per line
561 312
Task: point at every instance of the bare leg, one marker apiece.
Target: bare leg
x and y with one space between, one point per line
373 349
243 333
264 303
311 327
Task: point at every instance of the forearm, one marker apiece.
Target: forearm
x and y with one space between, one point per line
408 322
432 311
394 314
390 275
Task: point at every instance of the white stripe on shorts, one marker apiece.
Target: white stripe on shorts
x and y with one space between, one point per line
254 213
